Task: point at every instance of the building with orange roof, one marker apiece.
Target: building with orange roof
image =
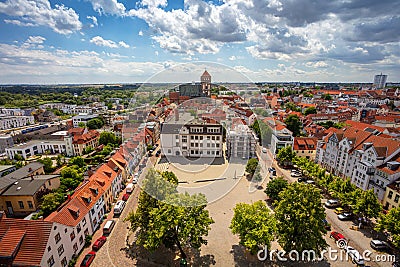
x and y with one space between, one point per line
32 243
364 156
71 225
79 139
305 147
105 176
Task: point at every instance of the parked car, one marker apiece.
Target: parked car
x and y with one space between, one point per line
295 174
332 203
158 153
379 244
125 197
88 259
355 256
271 169
345 216
264 150
99 243
336 235
339 210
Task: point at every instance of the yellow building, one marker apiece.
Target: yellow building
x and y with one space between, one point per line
22 197
392 196
305 147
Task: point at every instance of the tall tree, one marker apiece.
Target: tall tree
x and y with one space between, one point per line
48 165
286 155
51 202
166 217
368 205
390 222
251 166
95 123
299 217
294 124
310 110
107 138
255 225
274 187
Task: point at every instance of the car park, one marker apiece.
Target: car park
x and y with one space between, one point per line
379 244
346 216
337 236
99 243
355 256
332 203
87 260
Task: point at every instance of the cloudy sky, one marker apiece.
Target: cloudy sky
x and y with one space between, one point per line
112 41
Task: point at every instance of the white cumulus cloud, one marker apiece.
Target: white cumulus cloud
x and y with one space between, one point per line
100 41
59 18
110 7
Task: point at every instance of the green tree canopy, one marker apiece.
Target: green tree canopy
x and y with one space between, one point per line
274 187
310 110
299 217
78 161
368 205
48 165
51 202
286 155
294 124
251 166
95 123
390 222
170 218
108 138
255 225
81 124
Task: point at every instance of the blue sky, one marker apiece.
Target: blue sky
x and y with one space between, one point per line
116 41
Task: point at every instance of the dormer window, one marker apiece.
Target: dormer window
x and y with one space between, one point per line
95 191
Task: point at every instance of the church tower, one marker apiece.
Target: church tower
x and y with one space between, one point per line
206 83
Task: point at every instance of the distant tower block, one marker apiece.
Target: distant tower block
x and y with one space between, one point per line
380 81
206 83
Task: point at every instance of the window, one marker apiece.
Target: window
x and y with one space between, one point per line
75 247
72 235
84 221
21 204
60 250
396 199
78 228
80 239
50 262
390 194
86 232
30 205
48 248
57 238
64 262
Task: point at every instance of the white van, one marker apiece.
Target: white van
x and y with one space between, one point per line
129 188
119 207
108 226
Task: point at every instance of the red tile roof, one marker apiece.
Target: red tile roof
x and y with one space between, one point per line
31 236
67 214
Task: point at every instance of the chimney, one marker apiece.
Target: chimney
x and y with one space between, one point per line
176 115
32 177
30 169
69 197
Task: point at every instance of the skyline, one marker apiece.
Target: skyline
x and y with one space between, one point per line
111 41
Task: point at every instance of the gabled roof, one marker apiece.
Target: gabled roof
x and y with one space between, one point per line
23 172
28 186
67 214
87 193
26 239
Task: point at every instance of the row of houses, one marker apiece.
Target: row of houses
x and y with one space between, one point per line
367 156
54 240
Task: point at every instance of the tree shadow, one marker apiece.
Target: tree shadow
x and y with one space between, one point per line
200 261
